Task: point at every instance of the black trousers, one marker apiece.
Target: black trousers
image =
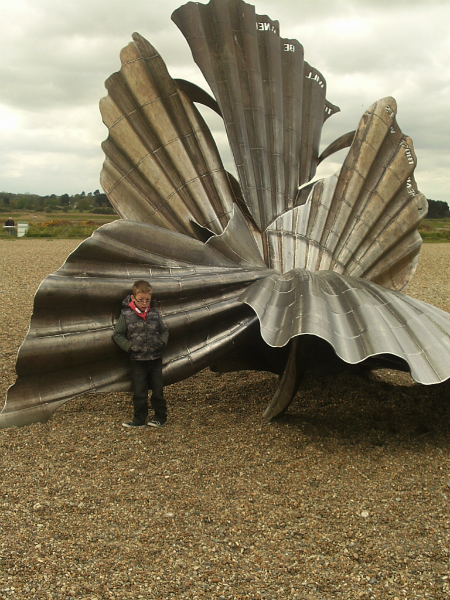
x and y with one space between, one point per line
147 375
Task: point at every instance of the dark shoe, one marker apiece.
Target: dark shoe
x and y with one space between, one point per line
133 423
156 423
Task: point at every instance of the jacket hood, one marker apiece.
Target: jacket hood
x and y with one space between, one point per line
126 301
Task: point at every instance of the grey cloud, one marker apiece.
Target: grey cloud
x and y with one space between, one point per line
57 59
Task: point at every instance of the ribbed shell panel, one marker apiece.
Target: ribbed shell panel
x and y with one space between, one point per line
362 221
273 110
162 166
69 348
357 317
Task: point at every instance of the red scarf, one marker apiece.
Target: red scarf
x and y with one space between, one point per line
140 313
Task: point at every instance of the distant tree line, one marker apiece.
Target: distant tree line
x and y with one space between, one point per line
95 202
437 209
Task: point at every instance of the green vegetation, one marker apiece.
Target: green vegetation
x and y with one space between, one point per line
95 203
56 225
63 229
437 209
54 216
435 230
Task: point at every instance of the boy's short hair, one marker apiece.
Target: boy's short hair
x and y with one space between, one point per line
141 287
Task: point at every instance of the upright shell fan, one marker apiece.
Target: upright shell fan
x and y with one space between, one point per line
268 273
273 103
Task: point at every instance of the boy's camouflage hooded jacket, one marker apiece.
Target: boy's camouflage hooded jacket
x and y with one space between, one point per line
143 339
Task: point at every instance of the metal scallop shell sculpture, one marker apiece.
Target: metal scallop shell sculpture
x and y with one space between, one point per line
271 273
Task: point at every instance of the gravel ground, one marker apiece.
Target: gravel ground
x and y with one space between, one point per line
345 497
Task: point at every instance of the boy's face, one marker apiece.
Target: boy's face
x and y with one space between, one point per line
142 300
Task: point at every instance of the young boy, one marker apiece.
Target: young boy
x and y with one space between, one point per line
142 333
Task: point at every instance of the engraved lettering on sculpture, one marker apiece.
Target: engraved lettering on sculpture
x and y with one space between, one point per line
316 77
409 187
266 27
408 153
390 112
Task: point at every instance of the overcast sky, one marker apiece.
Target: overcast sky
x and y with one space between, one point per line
56 56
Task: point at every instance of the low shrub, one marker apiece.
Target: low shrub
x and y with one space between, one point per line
62 229
435 236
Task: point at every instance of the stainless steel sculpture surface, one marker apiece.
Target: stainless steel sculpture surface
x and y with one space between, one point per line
271 273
